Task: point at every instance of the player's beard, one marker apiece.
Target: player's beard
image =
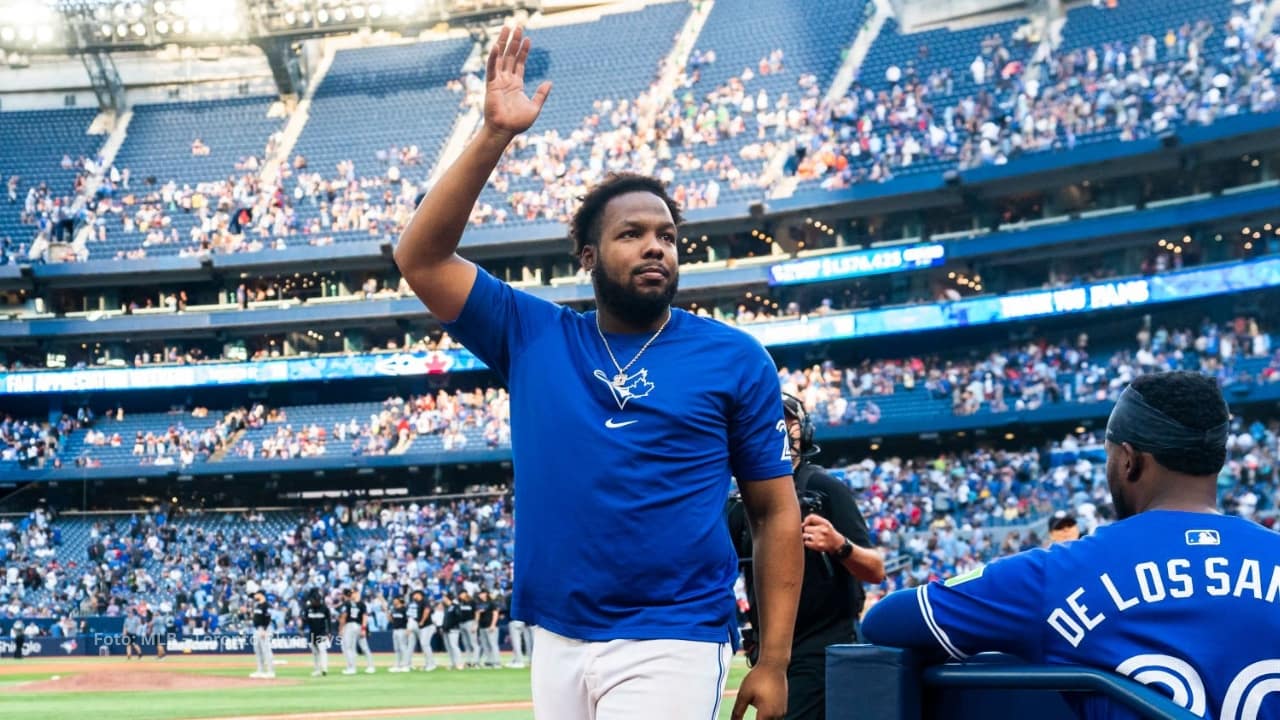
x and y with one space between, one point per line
1118 500
625 303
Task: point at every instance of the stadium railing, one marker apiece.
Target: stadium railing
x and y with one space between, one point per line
894 684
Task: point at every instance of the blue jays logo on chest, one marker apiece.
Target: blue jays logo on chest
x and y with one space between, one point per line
625 388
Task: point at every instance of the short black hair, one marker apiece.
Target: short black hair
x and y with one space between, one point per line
1195 401
584 227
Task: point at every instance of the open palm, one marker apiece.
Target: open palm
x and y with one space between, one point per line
506 107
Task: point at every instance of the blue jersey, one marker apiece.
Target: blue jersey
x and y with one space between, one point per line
1188 603
620 487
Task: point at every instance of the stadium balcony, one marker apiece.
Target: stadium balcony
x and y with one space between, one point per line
1208 283
1249 205
372 436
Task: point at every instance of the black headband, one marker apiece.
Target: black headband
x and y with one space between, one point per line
1135 422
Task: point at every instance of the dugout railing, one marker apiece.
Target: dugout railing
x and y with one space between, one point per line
867 681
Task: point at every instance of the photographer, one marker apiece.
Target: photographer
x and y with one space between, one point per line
839 557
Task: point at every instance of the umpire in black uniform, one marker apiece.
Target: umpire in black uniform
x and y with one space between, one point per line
839 557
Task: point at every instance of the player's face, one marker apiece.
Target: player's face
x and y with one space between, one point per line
634 267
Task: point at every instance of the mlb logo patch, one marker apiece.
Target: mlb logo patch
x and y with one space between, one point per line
1203 537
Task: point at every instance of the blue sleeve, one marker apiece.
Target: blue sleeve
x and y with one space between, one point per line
498 320
997 608
758 442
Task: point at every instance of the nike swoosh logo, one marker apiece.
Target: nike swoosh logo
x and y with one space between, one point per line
615 425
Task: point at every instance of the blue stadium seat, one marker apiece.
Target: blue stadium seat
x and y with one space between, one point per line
374 98
32 144
587 64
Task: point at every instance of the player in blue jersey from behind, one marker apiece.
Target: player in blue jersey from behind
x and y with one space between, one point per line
1174 595
627 426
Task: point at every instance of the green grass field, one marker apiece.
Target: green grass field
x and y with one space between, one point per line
300 695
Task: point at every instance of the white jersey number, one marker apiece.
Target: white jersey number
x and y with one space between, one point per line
1244 697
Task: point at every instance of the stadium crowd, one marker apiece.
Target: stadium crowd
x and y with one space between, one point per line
31 444
198 572
1193 73
935 516
1020 377
1030 375
256 432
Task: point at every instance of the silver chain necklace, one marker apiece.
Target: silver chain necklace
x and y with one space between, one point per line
620 379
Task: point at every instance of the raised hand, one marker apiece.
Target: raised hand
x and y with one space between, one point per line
507 110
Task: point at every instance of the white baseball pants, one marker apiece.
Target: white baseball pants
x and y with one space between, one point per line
627 679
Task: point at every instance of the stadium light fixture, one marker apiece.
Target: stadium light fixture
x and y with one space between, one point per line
401 8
